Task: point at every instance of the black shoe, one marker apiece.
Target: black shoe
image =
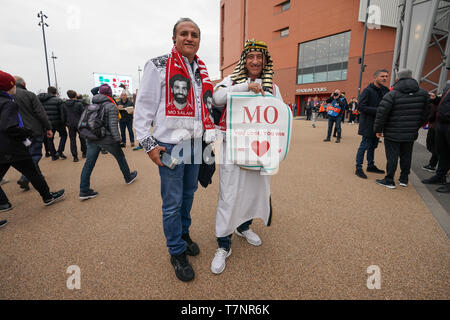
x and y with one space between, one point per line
444 189
83 155
24 185
61 155
326 140
374 169
183 269
54 158
47 155
387 184
5 207
3 223
133 176
56 196
338 140
104 152
123 145
435 180
88 195
192 248
75 159
360 173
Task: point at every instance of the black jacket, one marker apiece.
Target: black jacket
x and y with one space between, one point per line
33 113
12 136
124 113
443 114
402 111
111 120
73 110
54 108
369 100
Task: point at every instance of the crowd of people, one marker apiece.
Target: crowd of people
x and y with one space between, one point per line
30 121
177 100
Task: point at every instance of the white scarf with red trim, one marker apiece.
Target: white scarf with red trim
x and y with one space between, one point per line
180 96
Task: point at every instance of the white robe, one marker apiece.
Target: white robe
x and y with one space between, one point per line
243 194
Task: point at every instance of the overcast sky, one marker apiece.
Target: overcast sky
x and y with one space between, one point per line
106 36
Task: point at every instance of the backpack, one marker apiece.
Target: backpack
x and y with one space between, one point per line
92 124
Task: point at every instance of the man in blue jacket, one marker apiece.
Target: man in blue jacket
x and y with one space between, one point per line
369 100
338 103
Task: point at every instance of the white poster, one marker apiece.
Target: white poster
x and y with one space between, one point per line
114 81
258 131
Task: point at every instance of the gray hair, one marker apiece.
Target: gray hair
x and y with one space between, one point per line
404 74
181 20
19 80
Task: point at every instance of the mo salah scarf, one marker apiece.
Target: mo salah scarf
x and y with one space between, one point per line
182 113
240 74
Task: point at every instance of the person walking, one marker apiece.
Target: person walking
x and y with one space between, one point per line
442 143
315 110
125 106
353 110
110 142
55 111
430 141
369 99
14 139
35 119
73 109
158 105
399 117
337 104
308 108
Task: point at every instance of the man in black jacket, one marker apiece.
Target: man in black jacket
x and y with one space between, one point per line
14 138
399 117
35 119
368 103
442 142
55 111
73 109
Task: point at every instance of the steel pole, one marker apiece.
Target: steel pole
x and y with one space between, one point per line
363 49
54 69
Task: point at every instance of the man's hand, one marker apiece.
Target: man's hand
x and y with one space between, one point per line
154 155
49 134
255 87
379 135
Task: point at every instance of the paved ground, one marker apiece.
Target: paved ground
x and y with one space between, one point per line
329 226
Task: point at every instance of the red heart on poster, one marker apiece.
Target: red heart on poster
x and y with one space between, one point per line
260 148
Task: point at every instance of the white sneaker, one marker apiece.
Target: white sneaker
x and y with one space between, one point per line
218 263
251 237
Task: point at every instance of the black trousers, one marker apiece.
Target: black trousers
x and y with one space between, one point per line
62 142
394 151
443 149
28 169
431 146
73 142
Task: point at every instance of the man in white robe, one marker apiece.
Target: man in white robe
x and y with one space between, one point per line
243 194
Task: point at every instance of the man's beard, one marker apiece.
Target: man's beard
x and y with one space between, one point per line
181 99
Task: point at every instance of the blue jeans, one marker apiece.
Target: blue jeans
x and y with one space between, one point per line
124 124
177 192
368 144
225 242
336 120
93 151
36 154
